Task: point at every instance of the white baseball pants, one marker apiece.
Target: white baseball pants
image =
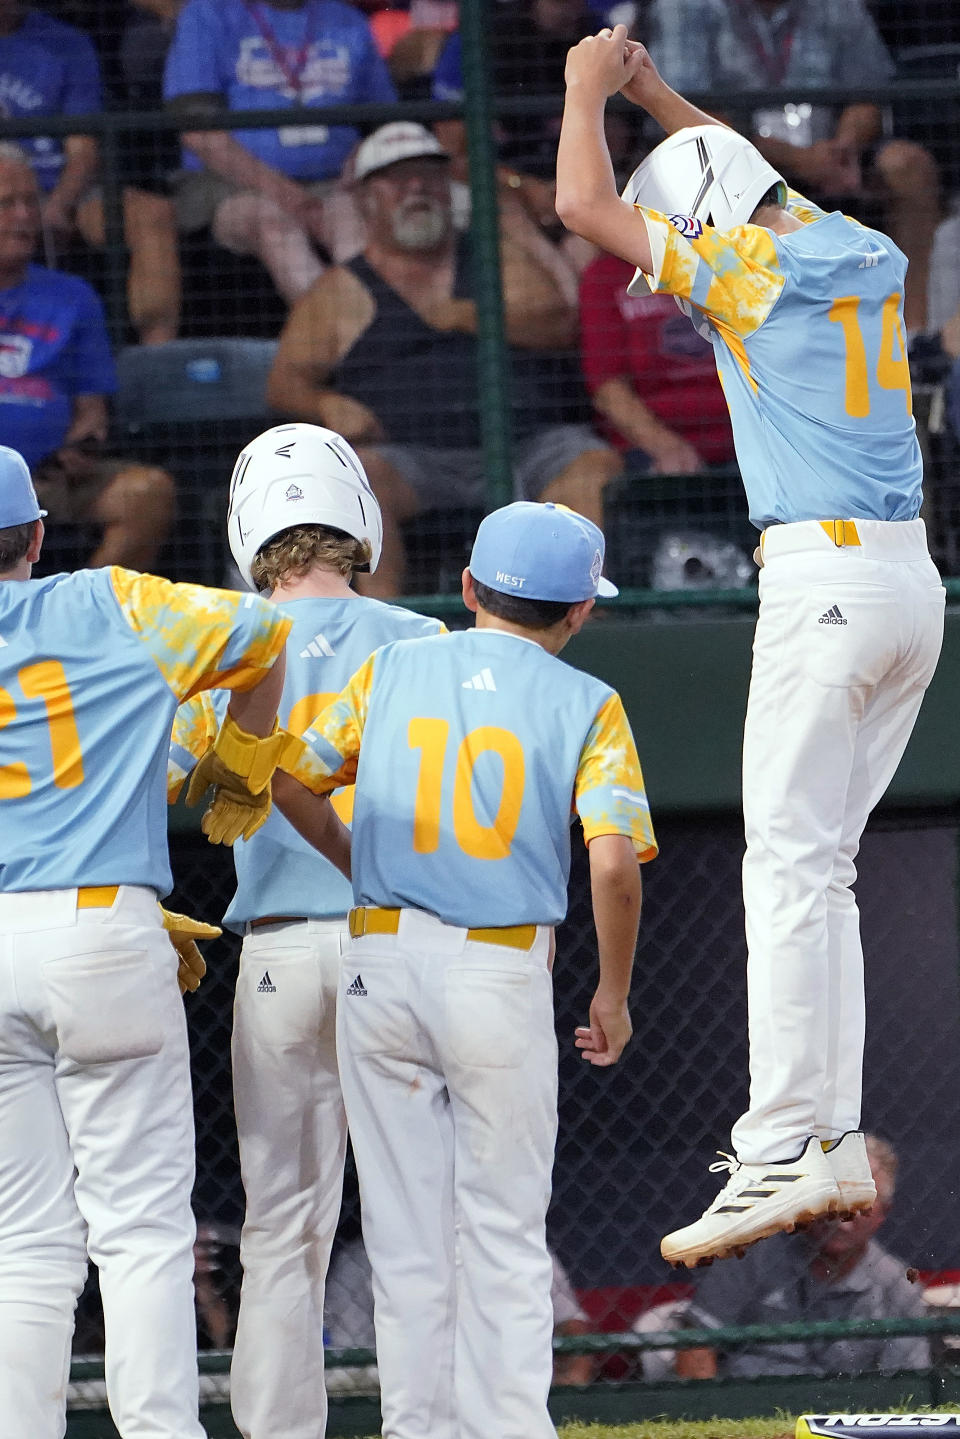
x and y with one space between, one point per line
448 1060
846 644
293 1133
96 1156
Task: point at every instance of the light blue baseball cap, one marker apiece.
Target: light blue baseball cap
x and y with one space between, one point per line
18 499
540 552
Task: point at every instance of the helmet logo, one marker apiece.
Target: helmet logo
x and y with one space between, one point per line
689 227
284 450
294 492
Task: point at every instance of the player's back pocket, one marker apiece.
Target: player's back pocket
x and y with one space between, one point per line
105 1006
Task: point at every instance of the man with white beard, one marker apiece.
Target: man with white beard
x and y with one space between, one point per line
384 351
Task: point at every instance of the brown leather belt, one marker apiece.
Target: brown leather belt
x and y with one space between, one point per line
278 919
387 921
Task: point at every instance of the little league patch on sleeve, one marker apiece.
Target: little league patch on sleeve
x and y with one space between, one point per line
689 227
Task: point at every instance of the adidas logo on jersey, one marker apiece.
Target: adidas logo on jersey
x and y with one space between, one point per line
870 260
266 985
832 617
357 987
483 681
319 648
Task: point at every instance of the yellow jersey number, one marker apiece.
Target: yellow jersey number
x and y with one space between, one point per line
44 681
480 841
893 367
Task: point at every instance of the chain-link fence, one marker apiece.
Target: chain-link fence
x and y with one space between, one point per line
223 291
635 1141
199 173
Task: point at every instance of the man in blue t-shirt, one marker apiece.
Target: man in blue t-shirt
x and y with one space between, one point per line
272 193
49 68
56 371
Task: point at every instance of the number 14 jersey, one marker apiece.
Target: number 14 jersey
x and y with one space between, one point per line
807 330
470 754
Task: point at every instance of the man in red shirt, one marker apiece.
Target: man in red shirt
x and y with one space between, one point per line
652 378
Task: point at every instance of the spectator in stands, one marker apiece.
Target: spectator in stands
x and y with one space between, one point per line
49 68
652 377
216 1283
348 1312
836 1270
936 355
943 301
411 39
383 350
56 371
742 45
529 40
272 193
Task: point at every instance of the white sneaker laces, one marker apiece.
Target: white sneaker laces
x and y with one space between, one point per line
730 1164
726 1161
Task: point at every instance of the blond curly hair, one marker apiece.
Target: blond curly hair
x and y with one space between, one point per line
293 552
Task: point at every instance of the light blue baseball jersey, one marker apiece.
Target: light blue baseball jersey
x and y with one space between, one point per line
92 668
278 873
807 329
470 753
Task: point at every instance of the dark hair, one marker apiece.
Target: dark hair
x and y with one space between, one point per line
15 541
531 614
771 197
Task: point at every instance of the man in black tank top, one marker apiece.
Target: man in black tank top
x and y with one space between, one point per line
384 351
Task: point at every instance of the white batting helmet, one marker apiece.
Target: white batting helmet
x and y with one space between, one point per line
708 172
299 474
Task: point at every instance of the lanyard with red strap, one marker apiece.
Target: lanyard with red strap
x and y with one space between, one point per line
280 54
774 65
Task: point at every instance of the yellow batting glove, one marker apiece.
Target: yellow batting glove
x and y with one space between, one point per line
234 812
248 756
184 933
238 766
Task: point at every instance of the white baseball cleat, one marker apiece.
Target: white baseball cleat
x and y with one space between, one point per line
757 1200
851 1169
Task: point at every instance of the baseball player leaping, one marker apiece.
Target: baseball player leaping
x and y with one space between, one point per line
96 1111
301 519
805 313
469 753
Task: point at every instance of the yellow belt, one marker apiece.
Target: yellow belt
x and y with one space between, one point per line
842 532
97 896
387 921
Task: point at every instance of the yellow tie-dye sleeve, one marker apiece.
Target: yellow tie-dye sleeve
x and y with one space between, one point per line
201 638
806 211
734 277
609 793
332 740
194 731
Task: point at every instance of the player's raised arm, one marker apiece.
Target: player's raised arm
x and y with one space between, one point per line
650 91
587 199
